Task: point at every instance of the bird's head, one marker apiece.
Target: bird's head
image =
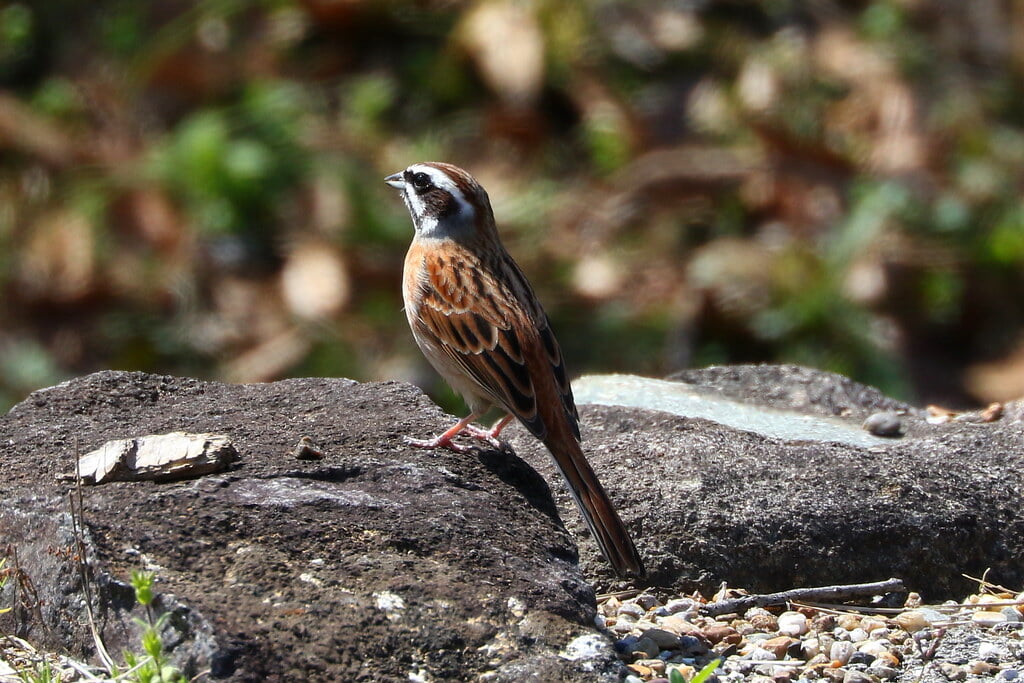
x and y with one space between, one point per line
444 201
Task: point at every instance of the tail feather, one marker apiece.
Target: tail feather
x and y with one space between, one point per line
605 524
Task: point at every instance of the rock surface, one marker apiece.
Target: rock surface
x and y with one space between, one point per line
711 503
383 562
376 563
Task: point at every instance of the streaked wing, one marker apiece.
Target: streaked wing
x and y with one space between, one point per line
483 327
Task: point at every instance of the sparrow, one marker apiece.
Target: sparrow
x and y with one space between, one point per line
477 320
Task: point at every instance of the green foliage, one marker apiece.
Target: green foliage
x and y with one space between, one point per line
232 166
153 667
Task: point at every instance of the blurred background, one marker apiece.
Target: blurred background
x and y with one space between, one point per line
196 187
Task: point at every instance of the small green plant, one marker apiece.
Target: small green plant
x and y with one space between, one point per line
676 676
3 581
152 667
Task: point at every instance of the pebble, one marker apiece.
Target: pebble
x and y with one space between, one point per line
884 424
858 635
722 633
655 665
854 676
883 671
912 621
681 627
981 668
779 645
764 623
990 651
655 639
984 618
646 646
841 651
632 610
1012 615
793 624
953 672
663 639
848 621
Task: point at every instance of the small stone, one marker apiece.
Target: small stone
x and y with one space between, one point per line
980 668
631 609
692 645
861 657
1009 675
887 658
985 618
778 645
810 648
622 626
680 626
646 647
640 670
1012 615
655 665
990 651
952 672
872 647
848 621
912 621
819 659
883 671
631 678
869 624
665 640
764 623
743 627
646 601
680 605
854 676
610 607
306 449
717 633
759 654
841 651
887 424
913 600
823 622
858 635
792 624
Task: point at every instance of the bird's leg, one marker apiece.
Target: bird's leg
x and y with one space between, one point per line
445 440
490 435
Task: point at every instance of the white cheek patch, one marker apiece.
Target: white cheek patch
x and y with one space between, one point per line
443 181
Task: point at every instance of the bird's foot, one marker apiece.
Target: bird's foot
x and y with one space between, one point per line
443 441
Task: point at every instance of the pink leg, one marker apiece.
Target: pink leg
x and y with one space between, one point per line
445 440
490 435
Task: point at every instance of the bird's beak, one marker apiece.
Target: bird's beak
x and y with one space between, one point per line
395 180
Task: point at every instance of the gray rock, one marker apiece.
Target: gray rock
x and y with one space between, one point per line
716 503
434 564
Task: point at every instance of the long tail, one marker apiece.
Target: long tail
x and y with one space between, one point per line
597 509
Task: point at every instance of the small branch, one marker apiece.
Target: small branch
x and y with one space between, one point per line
833 593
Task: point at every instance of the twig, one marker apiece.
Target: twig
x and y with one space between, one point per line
742 604
77 528
983 582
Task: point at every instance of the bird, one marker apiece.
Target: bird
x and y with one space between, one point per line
477 320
